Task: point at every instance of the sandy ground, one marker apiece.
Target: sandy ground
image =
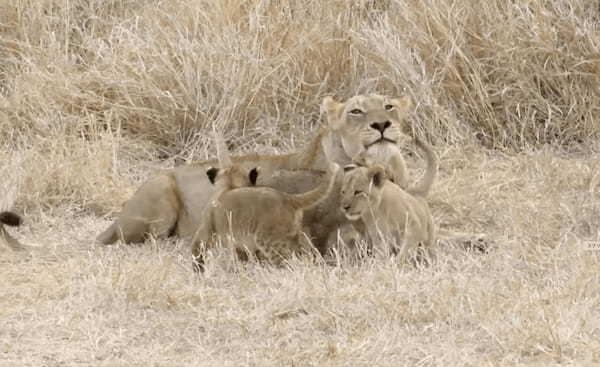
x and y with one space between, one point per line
532 300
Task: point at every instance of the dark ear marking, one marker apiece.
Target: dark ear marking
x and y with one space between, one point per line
377 175
212 174
377 179
349 167
253 176
10 218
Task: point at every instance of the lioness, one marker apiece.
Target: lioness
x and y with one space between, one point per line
386 210
10 219
256 220
173 202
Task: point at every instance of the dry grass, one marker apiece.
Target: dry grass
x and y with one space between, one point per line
95 95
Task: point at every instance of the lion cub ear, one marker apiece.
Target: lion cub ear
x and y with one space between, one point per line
212 173
403 103
376 175
333 110
253 175
350 167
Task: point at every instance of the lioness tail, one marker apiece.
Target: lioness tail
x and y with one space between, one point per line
315 196
422 189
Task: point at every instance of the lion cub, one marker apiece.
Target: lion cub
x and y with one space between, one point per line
259 221
387 211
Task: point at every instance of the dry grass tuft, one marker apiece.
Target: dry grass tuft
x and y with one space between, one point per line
95 95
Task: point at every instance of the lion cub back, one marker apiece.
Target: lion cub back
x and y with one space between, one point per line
258 220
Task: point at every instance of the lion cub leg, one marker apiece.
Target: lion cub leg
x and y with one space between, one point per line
278 251
415 244
202 240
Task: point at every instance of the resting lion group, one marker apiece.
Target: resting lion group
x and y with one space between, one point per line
275 206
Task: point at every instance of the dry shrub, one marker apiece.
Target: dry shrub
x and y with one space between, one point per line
77 172
91 90
511 74
11 171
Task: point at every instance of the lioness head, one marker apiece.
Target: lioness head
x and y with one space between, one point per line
361 188
232 177
368 122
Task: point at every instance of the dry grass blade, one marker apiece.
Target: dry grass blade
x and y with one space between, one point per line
96 95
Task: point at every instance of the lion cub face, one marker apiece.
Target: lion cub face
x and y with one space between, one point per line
361 190
368 122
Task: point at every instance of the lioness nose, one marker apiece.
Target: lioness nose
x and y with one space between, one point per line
381 126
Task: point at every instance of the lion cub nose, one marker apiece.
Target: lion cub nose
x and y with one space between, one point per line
381 126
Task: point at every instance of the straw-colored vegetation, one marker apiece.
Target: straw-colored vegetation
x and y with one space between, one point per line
96 95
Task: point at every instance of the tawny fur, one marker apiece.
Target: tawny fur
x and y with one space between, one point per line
259 221
173 202
388 212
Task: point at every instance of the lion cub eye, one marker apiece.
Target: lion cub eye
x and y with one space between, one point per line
356 111
358 192
389 107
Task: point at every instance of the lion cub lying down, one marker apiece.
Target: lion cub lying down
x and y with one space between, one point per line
387 211
259 221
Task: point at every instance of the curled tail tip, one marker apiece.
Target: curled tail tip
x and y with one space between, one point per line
10 218
426 147
431 170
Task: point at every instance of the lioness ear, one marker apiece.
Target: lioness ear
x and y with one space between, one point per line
212 174
403 103
333 110
377 175
253 176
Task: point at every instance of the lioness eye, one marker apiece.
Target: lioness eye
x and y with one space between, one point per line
357 193
356 111
389 107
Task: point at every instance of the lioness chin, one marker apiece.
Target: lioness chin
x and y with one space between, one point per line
375 124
